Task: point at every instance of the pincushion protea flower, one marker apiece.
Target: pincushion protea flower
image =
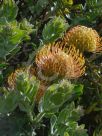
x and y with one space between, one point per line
31 72
84 38
12 77
53 61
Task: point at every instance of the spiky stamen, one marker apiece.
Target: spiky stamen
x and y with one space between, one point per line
55 60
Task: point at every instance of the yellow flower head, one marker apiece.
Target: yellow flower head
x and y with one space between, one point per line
53 61
84 38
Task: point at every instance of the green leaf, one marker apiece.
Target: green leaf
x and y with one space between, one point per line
3 65
53 121
98 131
12 34
55 96
40 4
68 114
66 134
57 99
23 95
25 25
67 3
88 14
27 86
65 123
24 105
8 11
9 102
1 79
78 89
54 29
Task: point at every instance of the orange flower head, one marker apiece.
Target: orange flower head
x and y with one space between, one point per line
53 61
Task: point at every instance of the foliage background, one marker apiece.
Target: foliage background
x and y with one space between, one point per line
25 26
